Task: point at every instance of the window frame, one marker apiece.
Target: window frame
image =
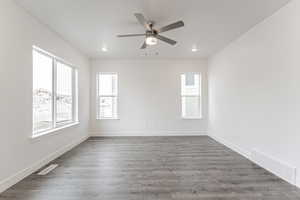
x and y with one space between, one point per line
55 126
98 96
199 96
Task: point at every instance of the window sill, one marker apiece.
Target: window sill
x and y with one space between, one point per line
191 118
54 130
109 119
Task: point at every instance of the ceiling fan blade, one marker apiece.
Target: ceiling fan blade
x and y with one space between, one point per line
171 27
131 35
165 39
143 21
144 46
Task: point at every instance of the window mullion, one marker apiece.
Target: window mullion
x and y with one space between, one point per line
54 92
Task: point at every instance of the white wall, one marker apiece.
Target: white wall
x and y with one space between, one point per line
19 154
254 93
149 98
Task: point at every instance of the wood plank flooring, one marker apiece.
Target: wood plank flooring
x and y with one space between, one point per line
153 168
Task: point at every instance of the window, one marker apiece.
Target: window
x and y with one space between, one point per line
54 92
107 96
191 96
42 92
64 100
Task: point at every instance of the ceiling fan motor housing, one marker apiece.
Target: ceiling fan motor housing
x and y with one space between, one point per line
153 35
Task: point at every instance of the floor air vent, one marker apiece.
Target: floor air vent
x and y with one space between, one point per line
47 170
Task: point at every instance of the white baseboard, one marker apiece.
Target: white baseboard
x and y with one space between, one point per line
275 166
12 180
146 133
232 146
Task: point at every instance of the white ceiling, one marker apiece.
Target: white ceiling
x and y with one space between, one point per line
209 24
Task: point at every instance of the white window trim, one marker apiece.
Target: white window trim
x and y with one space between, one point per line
74 121
199 96
54 130
113 96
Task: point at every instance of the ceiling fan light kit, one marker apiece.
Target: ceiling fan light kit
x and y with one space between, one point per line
151 40
153 35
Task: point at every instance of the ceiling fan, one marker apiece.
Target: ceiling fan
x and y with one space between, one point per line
153 35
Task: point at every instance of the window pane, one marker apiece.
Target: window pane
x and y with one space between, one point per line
42 92
64 93
190 84
108 107
108 84
191 107
75 101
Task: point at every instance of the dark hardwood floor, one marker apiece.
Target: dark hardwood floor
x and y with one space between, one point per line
153 168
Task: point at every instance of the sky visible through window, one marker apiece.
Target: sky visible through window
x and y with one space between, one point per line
42 68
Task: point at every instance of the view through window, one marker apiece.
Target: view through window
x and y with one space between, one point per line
64 100
107 96
191 95
54 92
42 92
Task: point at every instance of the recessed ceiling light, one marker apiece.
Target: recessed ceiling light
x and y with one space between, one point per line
194 49
104 49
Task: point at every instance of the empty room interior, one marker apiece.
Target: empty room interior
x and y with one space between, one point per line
150 100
